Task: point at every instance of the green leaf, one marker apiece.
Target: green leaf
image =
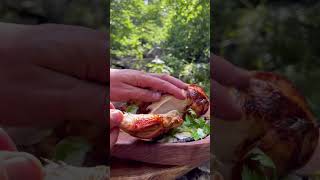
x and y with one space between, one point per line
195 135
206 129
72 150
132 109
248 174
202 123
198 127
201 133
188 120
262 158
191 112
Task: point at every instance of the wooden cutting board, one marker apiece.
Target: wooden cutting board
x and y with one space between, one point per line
178 154
134 170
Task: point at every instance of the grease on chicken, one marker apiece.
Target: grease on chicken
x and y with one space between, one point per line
149 126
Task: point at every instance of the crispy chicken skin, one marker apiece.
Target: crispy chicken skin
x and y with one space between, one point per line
149 126
198 98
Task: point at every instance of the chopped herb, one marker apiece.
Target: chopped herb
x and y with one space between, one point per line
262 158
248 174
263 161
196 126
195 135
201 133
132 109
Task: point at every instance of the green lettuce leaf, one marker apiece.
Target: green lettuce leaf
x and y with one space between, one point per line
72 150
197 127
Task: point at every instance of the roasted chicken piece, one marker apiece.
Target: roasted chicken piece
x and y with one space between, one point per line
196 100
149 126
155 119
276 119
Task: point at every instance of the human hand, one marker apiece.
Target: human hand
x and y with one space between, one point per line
227 136
116 117
225 74
17 165
51 73
129 84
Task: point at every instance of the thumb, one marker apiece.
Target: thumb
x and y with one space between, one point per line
19 165
113 137
116 118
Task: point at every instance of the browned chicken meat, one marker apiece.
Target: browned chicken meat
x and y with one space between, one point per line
196 100
155 119
276 119
148 126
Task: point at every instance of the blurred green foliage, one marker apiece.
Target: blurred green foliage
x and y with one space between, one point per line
162 36
281 36
88 13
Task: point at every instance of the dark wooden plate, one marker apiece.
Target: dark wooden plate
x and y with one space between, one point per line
180 154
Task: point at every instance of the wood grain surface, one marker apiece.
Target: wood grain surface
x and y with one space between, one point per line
134 170
179 154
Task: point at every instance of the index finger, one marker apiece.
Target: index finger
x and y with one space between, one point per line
228 74
148 81
171 79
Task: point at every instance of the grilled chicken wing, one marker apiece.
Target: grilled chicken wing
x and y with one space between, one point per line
276 119
149 126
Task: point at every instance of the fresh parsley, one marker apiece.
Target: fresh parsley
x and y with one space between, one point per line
132 109
198 127
263 162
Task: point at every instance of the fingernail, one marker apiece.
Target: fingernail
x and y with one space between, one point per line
27 166
116 115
